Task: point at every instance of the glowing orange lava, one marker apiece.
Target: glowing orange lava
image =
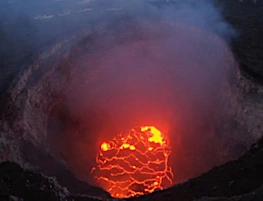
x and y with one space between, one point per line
134 164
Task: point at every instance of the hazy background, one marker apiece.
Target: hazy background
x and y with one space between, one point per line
28 25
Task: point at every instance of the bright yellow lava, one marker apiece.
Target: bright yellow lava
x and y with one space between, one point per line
134 164
156 135
104 146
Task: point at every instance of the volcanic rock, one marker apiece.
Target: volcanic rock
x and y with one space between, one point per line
242 176
28 185
17 184
255 196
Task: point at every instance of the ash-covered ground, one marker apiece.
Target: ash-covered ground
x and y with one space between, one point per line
45 48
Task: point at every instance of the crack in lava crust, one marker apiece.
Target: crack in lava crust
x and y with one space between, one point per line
134 164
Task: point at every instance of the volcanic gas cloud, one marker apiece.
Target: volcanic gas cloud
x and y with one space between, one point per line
137 96
164 81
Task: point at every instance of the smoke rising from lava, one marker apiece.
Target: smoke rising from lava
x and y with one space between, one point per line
169 73
145 63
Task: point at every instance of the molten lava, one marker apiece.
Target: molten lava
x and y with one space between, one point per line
134 164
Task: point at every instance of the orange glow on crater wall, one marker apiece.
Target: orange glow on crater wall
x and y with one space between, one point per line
134 164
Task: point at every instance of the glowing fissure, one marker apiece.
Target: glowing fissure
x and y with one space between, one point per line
134 164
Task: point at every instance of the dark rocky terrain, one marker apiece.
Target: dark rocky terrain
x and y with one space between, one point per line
239 180
245 16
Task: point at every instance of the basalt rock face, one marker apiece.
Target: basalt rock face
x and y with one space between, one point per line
256 195
17 184
248 45
63 175
28 185
18 145
249 197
